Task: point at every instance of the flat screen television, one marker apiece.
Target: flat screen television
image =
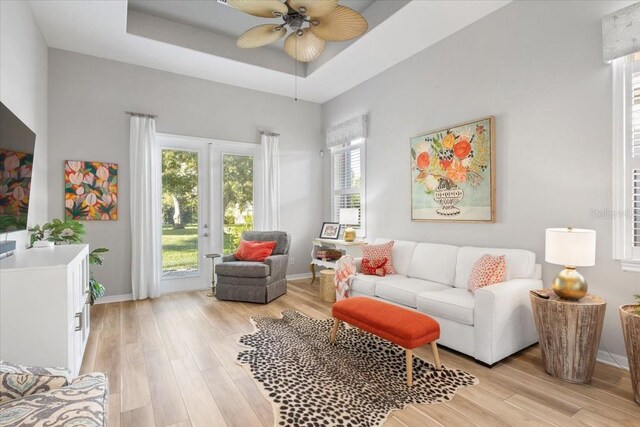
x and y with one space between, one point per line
17 144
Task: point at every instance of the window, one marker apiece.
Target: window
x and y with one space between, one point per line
626 137
348 181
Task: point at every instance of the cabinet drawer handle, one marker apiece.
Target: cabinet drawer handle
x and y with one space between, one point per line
79 317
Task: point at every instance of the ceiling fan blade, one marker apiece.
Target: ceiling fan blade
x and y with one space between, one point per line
304 48
262 8
340 25
314 8
261 35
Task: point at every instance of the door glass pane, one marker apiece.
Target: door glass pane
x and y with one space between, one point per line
237 198
179 212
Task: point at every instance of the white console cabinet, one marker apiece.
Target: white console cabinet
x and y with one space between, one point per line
44 310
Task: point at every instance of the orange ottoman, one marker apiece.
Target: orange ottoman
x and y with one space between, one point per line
406 328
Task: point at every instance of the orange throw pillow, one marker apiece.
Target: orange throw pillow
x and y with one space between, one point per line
487 270
374 267
250 250
380 251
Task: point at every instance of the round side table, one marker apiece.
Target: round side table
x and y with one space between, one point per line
327 287
569 333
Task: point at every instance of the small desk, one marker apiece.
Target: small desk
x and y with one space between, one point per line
569 333
347 248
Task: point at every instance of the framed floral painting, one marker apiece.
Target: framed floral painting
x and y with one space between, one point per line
91 190
453 173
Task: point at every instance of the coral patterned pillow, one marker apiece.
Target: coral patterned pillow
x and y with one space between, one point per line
380 251
488 270
373 267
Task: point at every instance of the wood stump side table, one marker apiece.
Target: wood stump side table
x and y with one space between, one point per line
569 333
327 286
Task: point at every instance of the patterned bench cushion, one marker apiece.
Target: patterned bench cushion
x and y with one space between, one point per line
83 403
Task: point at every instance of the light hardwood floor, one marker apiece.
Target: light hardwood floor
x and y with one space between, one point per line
171 362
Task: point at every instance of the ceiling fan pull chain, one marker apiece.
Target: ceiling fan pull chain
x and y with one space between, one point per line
295 74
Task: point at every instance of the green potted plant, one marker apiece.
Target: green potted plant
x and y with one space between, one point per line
67 232
630 318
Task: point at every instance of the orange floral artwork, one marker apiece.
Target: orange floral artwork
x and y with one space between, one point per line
91 190
452 176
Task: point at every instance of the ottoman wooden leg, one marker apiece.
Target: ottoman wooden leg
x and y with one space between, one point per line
409 367
334 332
436 356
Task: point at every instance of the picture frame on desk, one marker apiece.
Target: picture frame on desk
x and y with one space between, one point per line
330 230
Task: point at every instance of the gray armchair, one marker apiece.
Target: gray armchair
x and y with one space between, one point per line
251 281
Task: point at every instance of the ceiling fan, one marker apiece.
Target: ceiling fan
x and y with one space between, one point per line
312 22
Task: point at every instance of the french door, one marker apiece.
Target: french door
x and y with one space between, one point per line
209 196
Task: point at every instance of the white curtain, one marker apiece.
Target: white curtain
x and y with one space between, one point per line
270 215
145 190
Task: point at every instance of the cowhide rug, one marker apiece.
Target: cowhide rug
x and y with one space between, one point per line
356 382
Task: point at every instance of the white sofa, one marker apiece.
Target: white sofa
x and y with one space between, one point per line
490 324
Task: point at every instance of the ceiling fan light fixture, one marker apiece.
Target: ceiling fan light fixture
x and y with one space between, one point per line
325 19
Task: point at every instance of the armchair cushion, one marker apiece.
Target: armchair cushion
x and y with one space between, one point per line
17 381
83 403
243 269
280 237
254 250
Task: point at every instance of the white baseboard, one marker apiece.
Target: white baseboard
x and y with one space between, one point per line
613 359
299 276
114 298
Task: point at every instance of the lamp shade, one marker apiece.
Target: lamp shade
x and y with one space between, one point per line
350 216
571 247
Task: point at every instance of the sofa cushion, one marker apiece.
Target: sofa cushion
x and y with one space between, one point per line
433 262
383 250
401 254
453 304
281 238
366 284
404 290
488 270
249 250
520 263
243 269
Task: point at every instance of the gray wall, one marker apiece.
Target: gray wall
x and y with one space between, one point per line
87 121
537 67
23 89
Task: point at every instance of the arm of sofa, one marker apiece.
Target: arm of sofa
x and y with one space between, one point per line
83 402
503 320
277 266
17 381
358 262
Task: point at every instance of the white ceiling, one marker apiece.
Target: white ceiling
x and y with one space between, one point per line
178 37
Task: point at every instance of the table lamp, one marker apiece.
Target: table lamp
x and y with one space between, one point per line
349 217
571 247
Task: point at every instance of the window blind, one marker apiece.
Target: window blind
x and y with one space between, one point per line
636 207
635 155
347 179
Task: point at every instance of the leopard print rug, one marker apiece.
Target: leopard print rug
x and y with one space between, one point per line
356 382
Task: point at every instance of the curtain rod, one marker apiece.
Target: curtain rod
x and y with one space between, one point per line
149 116
268 133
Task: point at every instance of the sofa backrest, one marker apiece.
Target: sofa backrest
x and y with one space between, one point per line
401 253
281 238
434 262
520 263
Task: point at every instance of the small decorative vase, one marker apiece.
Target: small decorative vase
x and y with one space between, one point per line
447 195
631 331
